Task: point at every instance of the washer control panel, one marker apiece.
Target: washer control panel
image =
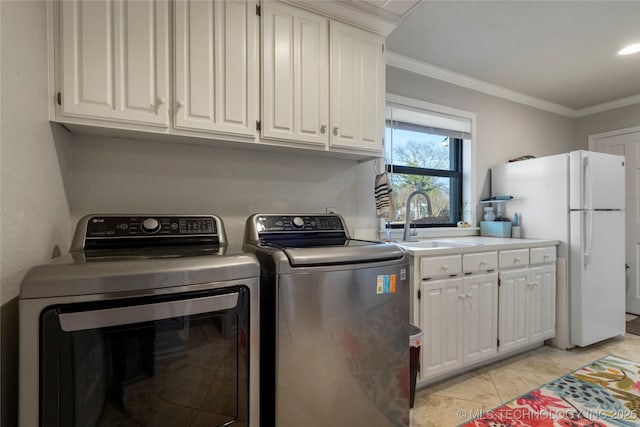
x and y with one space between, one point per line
130 226
297 223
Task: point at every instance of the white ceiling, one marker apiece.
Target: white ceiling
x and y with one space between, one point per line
563 52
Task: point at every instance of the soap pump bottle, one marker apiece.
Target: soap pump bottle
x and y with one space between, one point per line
387 236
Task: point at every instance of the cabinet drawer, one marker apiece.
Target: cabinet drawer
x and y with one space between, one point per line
484 261
443 266
514 258
543 255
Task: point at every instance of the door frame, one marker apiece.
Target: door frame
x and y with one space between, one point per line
592 138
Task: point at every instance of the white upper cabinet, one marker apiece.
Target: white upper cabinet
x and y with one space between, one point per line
295 74
216 70
114 60
357 88
322 80
207 69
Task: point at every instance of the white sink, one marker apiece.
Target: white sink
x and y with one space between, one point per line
426 244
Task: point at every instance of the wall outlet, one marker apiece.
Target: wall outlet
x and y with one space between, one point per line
331 210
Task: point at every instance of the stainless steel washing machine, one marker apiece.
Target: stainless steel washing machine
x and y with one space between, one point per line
147 322
334 323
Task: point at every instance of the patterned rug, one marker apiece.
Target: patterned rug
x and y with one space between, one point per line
602 394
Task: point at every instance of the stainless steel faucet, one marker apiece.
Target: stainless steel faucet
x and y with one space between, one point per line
407 214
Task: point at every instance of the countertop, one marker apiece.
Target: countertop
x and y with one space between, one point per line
470 244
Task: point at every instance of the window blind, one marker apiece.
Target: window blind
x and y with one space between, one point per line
407 118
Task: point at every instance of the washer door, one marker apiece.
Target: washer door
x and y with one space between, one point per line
171 360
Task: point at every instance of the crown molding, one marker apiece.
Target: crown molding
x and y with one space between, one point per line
438 73
382 22
618 103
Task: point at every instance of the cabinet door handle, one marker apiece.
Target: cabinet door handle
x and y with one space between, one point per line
323 128
159 101
335 130
179 105
468 296
462 296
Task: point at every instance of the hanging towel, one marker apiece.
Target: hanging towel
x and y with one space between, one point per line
383 194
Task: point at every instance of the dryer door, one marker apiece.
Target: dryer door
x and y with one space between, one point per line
170 360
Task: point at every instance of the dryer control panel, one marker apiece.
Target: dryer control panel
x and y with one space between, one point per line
298 223
101 231
128 226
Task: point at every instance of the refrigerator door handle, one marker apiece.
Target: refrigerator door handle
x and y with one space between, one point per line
587 223
587 193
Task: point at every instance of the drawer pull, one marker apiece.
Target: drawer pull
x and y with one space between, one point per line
445 267
516 260
462 296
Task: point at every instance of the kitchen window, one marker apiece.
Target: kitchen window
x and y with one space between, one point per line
424 150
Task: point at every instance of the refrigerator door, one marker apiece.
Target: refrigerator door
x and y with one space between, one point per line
596 180
597 276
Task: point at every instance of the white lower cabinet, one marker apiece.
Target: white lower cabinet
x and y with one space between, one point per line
459 321
526 306
442 326
513 328
480 316
470 313
542 320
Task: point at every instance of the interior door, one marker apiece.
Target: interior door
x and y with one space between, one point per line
628 145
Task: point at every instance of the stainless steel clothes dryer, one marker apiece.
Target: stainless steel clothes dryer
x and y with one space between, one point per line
146 322
334 324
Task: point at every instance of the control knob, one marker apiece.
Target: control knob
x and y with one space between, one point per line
150 225
297 222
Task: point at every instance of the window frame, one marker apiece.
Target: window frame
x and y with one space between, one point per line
455 174
471 176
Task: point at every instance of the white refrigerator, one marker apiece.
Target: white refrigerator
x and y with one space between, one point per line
578 199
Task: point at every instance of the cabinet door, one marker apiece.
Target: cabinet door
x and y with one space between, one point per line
480 316
114 60
357 88
441 322
216 66
513 311
295 74
542 303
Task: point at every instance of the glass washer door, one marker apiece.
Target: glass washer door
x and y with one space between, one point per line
163 361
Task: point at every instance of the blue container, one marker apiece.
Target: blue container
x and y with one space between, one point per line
495 228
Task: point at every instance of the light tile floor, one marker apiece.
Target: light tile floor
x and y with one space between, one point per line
456 400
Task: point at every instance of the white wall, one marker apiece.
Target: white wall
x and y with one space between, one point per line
504 129
620 118
112 175
33 210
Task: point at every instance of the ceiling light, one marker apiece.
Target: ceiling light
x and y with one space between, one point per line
632 48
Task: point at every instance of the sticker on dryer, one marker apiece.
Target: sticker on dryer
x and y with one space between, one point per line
386 284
